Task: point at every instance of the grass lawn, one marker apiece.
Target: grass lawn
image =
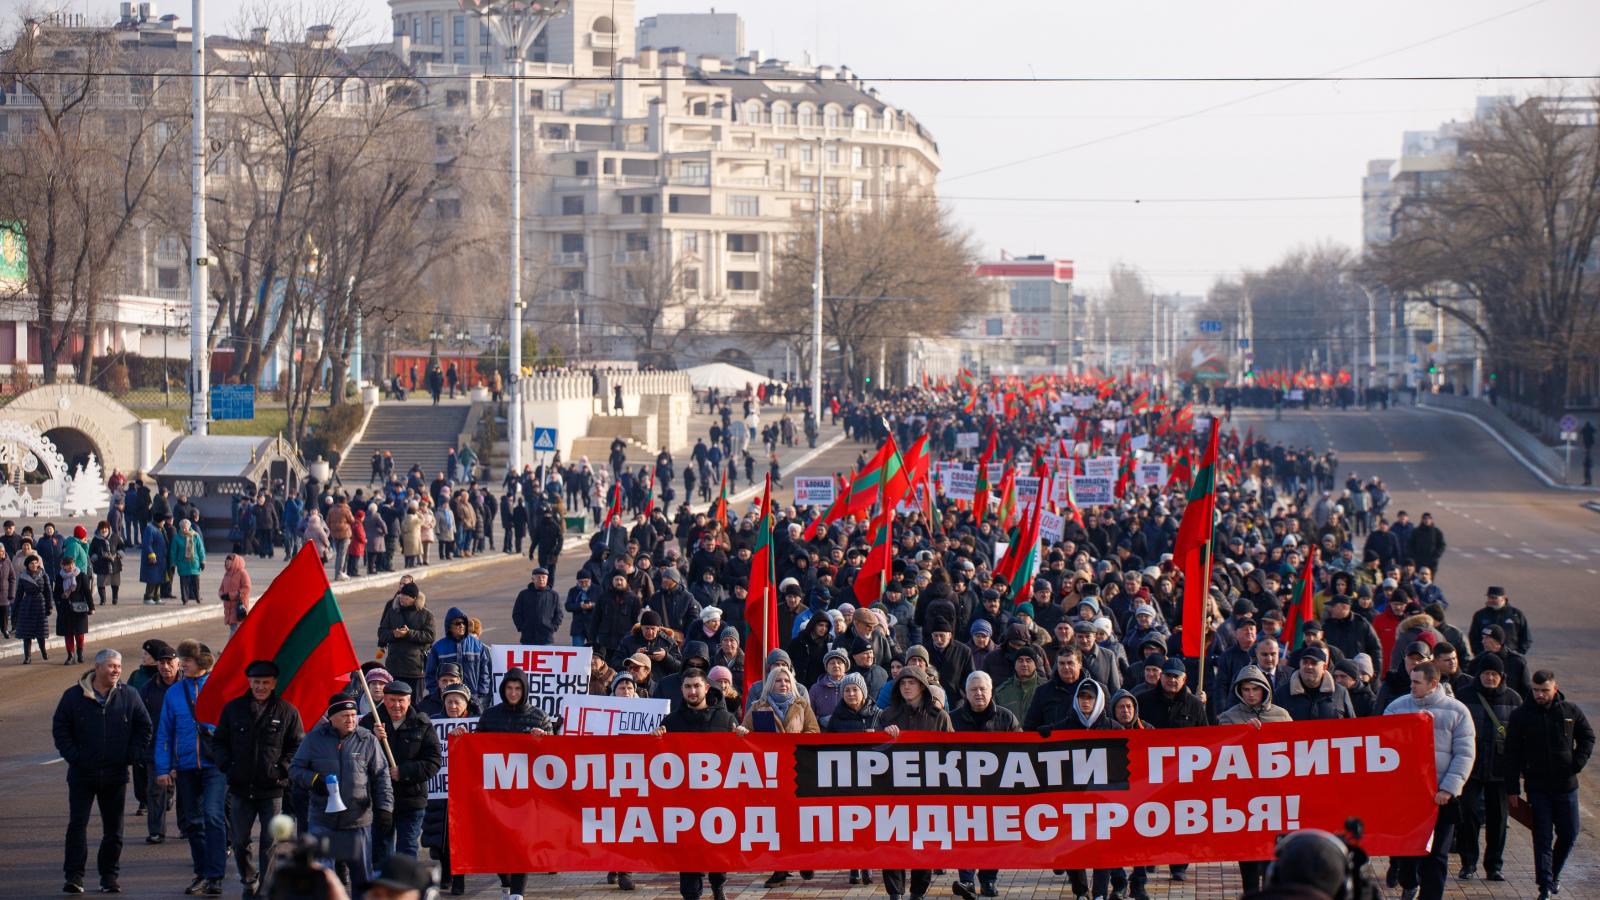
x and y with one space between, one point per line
269 420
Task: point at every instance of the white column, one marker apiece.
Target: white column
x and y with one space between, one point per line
199 367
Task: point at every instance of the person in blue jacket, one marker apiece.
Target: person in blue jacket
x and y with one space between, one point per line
460 647
183 757
153 560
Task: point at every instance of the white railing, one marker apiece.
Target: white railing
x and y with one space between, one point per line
575 258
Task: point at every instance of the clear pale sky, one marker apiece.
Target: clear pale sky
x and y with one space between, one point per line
1292 141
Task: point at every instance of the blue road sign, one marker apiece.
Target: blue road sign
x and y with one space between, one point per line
544 440
233 401
1211 325
1244 343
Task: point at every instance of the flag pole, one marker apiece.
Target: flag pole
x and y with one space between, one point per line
376 718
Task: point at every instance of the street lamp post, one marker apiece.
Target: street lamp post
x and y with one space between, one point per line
199 371
816 290
514 24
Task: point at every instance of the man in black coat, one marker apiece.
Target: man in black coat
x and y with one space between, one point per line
1170 705
101 728
1427 543
1312 692
417 757
1056 699
1497 610
1491 705
406 633
1548 742
697 715
675 605
257 735
1350 633
537 612
514 714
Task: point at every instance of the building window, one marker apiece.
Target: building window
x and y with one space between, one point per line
780 115
458 31
858 191
580 167
690 243
167 278
483 33
744 281
780 151
572 243
416 29
831 118
553 100
861 117
572 281
438 31
744 243
636 240
747 205
647 204
857 157
691 280
572 206
833 154
459 57
808 185
627 203
830 186
483 57
167 247
805 153
808 117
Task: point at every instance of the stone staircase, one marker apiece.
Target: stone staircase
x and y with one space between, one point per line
604 429
415 431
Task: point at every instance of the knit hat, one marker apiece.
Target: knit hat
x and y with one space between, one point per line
839 654
855 679
1494 631
618 679
710 614
650 618
982 626
727 632
379 676
1364 664
719 672
671 572
1490 661
79 532
917 651
410 589
1024 609
339 703
1348 667
1145 609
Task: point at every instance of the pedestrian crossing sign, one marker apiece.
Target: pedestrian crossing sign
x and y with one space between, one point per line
544 440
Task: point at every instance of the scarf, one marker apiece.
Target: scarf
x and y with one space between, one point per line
780 704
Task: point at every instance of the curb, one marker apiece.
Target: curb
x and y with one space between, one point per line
206 611
1532 467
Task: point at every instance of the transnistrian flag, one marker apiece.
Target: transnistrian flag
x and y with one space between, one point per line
719 512
650 504
835 512
1302 608
297 625
1192 549
980 496
882 475
1022 557
874 575
761 608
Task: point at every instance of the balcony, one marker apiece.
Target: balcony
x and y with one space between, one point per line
604 41
566 298
630 257
571 259
697 179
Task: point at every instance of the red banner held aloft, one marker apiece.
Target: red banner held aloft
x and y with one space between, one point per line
1012 801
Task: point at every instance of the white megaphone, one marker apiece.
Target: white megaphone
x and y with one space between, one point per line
335 802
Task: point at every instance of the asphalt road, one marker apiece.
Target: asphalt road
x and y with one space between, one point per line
1502 527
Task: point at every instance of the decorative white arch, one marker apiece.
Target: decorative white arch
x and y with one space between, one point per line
23 450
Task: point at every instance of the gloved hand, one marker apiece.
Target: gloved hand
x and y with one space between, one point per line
382 820
319 785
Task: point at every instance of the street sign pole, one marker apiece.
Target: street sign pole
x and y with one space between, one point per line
1569 433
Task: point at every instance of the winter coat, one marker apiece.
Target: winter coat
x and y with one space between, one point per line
35 600
1454 741
377 532
1510 619
807 651
316 533
953 663
1052 702
417 755
582 619
1097 718
153 555
678 608
411 534
537 615
77 551
469 653
801 719
235 590
407 657
853 721
994 718
1351 635
710 718
1547 746
340 518
923 717
100 738
188 553
1241 713
76 588
521 717
1491 710
177 733
1182 710
363 773
1426 546
1327 701
358 535
254 751
8 582
615 614
1017 695
635 643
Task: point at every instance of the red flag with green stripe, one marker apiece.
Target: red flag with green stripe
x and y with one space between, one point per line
1192 549
882 474
761 607
1303 607
297 625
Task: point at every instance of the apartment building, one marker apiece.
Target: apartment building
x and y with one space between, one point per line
654 171
1032 322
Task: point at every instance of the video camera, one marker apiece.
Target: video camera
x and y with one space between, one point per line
1333 863
293 873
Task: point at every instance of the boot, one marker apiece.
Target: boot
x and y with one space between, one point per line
624 881
458 885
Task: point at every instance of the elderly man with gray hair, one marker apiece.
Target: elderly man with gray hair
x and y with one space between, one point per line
101 728
977 711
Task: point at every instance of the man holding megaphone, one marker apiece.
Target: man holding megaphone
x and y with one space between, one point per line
342 766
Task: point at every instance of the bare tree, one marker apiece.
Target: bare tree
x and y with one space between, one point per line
888 275
101 131
1514 228
659 305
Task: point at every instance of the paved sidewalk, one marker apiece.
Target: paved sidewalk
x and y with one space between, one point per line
132 616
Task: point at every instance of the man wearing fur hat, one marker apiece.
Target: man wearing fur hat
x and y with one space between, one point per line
184 758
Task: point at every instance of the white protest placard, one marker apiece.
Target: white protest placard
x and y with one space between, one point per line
590 715
1108 426
966 440
1051 525
1139 442
1152 473
997 470
913 501
813 490
439 784
1027 488
1094 490
960 484
1100 467
1066 424
1060 490
1202 424
553 672
1082 401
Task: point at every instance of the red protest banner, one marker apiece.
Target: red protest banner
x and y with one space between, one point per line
1011 801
